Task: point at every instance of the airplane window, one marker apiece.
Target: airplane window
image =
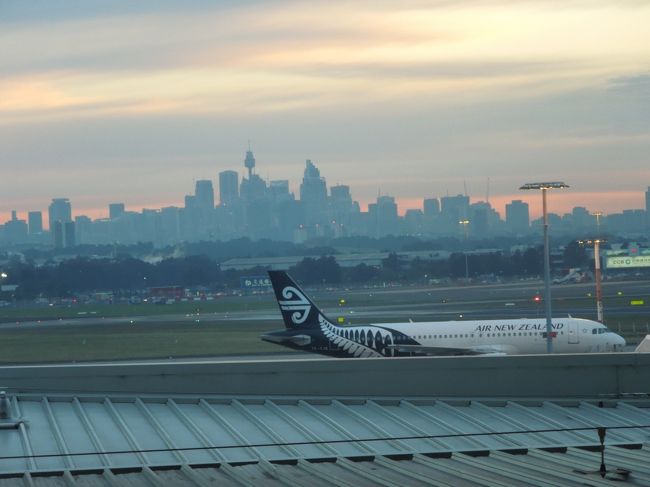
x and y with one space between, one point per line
472 335
594 331
455 336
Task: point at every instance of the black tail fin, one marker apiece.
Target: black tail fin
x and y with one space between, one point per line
298 311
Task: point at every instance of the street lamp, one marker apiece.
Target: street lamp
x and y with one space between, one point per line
547 258
464 223
599 290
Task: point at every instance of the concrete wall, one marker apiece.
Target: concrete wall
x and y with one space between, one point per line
508 376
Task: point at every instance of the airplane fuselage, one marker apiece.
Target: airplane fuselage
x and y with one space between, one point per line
518 336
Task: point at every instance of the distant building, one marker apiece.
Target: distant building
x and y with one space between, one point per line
431 207
255 199
204 195
228 188
413 222
59 213
249 162
647 207
57 234
87 231
383 216
170 224
35 222
479 218
342 208
517 217
279 191
454 208
59 210
581 218
313 195
115 210
190 201
15 230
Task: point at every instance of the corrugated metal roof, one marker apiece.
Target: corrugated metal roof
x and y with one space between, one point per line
571 467
58 433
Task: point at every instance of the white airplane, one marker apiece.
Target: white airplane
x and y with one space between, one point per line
308 329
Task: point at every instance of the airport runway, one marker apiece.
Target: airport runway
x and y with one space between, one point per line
409 303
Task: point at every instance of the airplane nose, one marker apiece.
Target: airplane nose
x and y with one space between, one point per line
619 343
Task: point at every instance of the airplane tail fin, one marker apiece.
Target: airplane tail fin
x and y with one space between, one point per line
298 311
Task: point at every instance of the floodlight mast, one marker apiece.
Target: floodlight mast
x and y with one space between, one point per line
597 275
547 259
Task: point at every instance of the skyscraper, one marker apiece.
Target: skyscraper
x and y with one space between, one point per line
115 210
313 194
59 210
204 195
431 207
228 188
69 234
384 216
59 213
15 230
517 217
454 208
35 222
647 207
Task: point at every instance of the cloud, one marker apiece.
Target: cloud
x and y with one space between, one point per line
636 85
412 97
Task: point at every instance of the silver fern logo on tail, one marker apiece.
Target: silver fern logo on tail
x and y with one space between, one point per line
295 301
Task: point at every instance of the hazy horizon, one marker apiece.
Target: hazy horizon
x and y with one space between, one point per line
132 102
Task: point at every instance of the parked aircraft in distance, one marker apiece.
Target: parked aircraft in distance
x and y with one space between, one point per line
308 329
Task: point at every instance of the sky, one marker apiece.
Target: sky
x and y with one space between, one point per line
132 102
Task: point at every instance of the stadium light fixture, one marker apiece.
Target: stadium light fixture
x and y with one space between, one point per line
545 186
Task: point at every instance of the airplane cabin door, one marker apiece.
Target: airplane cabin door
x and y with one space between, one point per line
574 337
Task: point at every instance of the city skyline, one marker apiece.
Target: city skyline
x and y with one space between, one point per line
561 202
267 209
121 101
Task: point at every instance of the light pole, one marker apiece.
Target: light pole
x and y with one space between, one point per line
597 214
599 289
464 223
547 256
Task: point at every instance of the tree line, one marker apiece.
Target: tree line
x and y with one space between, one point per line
125 275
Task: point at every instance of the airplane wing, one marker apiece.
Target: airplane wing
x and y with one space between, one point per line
448 351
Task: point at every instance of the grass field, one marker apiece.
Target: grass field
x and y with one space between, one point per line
81 343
